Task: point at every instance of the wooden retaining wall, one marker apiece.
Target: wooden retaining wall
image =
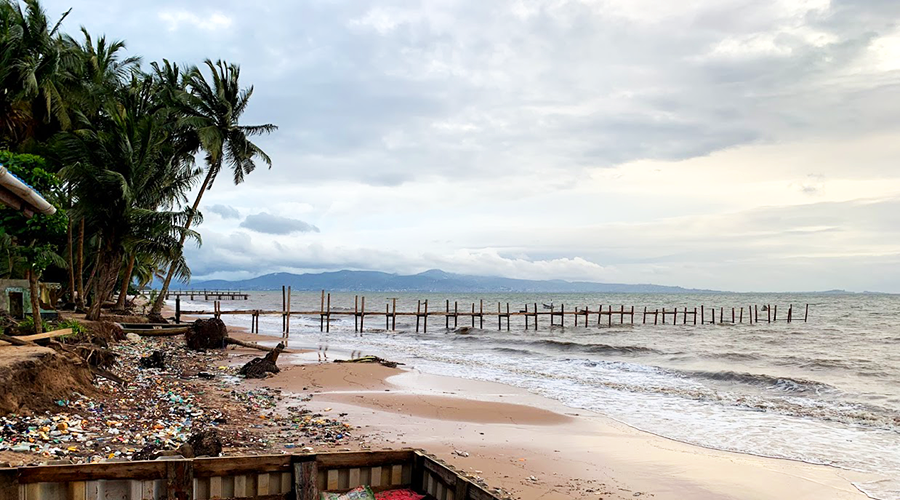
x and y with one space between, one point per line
268 477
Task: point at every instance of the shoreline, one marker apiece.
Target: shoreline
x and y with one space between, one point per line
535 447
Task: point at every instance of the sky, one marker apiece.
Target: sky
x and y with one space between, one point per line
746 145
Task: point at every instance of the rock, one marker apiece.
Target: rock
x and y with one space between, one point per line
133 337
206 334
157 359
261 367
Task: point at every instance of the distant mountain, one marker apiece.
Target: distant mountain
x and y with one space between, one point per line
429 281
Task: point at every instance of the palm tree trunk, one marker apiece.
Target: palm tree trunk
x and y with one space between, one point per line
109 261
79 301
35 300
126 280
161 298
70 261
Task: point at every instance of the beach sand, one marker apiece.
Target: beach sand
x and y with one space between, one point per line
534 447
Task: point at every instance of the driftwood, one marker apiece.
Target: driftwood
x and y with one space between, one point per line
250 345
261 367
370 359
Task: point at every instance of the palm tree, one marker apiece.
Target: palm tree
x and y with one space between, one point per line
124 154
31 101
212 114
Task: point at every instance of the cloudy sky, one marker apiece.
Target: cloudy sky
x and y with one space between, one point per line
729 144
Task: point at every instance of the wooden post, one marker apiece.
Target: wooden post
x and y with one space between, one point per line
713 315
322 313
721 315
507 316
664 315
387 316
473 315
178 308
655 316
328 314
622 314
447 316
394 315
552 316
362 315
481 314
418 313
702 314
732 315
806 314
526 317
179 480
288 324
695 315
609 323
455 313
775 313
499 318
576 318
562 315
283 309
535 317
355 313
599 314
742 314
425 319
768 313
645 316
790 311
632 315
684 314
756 313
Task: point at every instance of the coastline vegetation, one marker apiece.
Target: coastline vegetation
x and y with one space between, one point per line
114 148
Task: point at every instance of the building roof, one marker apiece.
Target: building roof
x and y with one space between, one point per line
15 193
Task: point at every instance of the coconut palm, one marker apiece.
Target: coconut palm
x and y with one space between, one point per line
213 112
124 154
31 100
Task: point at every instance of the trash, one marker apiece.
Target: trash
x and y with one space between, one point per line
133 337
461 453
155 360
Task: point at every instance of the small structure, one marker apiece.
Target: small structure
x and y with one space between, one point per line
22 197
15 298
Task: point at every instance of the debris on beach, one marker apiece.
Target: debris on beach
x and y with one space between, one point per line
262 367
206 334
370 359
194 404
461 453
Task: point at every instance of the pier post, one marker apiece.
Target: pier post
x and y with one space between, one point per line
664 315
418 313
481 314
362 315
562 315
288 324
655 316
790 311
447 316
387 316
742 315
806 314
713 315
328 314
425 319
536 316
322 313
455 314
721 315
644 321
355 313
576 318
599 314
394 315
473 315
732 315
775 314
499 318
695 315
178 308
768 313
507 316
609 324
632 315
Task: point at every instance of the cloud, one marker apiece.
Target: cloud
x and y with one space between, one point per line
174 19
273 224
225 211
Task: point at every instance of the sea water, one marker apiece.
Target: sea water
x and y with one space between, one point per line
825 391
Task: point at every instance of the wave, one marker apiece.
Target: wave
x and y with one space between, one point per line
561 345
787 384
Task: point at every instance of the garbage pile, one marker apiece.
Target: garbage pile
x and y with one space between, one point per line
161 409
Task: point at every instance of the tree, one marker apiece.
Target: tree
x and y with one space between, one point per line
32 244
212 113
31 101
125 154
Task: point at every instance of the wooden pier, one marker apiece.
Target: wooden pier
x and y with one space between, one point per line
206 294
584 316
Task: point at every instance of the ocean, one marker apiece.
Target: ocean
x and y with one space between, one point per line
826 391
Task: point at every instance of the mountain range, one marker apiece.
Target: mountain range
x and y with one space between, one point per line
428 281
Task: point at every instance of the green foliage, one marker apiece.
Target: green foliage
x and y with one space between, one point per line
77 328
27 325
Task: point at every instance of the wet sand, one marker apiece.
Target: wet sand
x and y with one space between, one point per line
535 448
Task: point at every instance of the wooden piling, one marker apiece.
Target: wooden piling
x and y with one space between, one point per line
447 316
732 315
742 314
425 319
178 308
768 313
526 317
328 314
362 315
644 321
695 315
775 314
387 316
655 316
664 315
322 313
355 313
455 313
418 314
790 311
481 314
806 314
394 315
702 315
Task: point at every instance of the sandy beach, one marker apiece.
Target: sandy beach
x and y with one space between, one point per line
534 447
